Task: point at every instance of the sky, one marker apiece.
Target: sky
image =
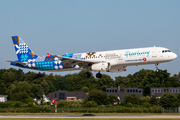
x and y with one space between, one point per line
76 26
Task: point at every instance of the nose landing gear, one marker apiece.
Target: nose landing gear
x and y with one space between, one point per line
157 70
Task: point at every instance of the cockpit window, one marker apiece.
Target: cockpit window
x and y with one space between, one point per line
164 51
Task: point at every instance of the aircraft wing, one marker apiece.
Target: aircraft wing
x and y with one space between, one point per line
80 62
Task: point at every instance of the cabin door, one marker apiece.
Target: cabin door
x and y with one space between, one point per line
120 56
154 52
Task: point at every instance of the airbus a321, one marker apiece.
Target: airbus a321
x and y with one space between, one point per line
109 61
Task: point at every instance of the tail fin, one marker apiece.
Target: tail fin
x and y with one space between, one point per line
23 52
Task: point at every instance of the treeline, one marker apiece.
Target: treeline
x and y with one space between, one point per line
20 86
98 98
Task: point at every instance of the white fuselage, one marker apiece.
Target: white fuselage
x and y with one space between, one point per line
129 57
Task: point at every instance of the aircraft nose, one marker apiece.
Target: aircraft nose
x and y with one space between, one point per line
174 56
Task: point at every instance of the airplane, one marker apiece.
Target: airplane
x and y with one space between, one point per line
109 61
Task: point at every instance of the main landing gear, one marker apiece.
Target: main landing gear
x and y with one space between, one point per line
87 75
157 70
98 75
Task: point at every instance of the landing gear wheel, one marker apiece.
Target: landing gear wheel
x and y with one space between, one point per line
157 70
87 74
99 75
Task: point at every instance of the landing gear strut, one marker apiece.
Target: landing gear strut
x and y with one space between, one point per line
99 75
157 70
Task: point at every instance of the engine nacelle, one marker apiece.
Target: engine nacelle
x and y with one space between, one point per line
118 69
100 66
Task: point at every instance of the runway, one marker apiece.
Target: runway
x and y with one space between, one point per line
89 116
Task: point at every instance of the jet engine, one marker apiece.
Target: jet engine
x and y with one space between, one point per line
118 69
105 66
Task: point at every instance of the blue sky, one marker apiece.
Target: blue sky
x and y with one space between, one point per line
73 26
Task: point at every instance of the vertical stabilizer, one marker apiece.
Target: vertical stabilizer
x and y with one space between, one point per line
23 52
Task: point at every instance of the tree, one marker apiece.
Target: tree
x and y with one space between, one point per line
37 91
111 99
90 104
76 81
62 83
97 96
2 71
178 97
168 100
8 78
45 86
145 101
19 74
21 91
132 98
30 76
79 80
104 82
62 103
154 100
3 88
85 89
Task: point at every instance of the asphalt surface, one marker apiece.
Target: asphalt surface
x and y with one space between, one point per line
89 116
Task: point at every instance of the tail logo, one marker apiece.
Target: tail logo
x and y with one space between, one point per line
32 53
23 52
24 57
22 48
15 40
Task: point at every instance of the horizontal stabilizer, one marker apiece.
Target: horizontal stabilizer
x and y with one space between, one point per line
21 63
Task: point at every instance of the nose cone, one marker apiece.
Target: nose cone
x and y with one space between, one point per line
174 56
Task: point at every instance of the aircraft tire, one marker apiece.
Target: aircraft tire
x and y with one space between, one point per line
157 70
87 74
99 75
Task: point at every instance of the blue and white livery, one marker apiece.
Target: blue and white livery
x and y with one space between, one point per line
110 61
